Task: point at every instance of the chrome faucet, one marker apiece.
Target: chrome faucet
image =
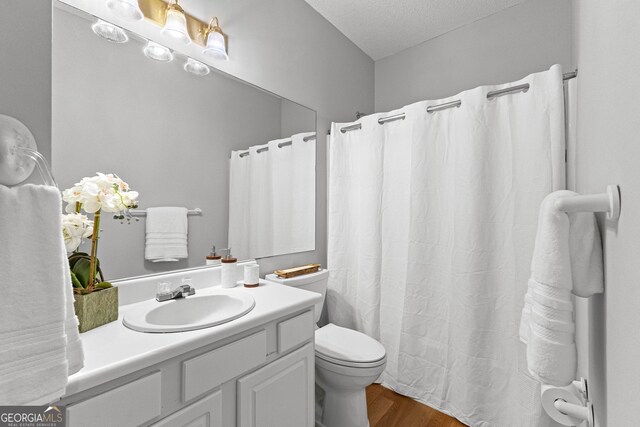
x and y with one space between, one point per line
179 292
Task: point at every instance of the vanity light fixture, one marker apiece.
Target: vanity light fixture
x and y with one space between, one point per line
175 25
109 31
216 47
196 67
158 52
129 10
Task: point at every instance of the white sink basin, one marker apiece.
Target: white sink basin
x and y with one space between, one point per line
218 306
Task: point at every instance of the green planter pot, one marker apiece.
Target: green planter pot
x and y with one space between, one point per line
97 308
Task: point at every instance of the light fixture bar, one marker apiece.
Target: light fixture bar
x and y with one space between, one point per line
155 11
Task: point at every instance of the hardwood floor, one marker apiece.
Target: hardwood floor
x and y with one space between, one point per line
387 408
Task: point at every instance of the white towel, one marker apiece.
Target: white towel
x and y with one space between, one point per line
39 341
166 234
567 259
75 353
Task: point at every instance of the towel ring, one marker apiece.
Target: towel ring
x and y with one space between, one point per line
19 154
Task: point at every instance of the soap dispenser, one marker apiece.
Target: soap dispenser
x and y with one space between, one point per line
229 270
213 258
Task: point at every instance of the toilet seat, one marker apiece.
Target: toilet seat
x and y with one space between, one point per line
346 347
349 364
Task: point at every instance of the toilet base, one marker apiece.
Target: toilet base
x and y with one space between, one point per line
344 397
345 408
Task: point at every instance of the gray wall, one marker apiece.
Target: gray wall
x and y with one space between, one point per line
606 41
166 132
295 119
25 75
286 47
507 46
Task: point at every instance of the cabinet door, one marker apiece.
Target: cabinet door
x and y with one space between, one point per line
206 412
279 394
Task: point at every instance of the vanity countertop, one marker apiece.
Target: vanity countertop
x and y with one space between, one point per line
113 350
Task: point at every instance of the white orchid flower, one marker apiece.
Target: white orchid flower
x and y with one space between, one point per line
102 192
72 196
75 227
130 199
110 202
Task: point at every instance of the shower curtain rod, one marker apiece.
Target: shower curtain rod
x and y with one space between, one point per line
280 145
457 103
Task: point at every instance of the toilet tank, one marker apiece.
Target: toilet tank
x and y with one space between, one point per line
314 282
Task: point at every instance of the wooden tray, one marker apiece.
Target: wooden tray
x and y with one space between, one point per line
297 271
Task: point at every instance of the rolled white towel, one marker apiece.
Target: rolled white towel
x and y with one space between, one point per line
553 356
555 321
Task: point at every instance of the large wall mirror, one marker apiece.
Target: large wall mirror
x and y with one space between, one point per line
242 155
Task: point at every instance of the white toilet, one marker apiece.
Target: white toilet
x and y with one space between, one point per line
347 361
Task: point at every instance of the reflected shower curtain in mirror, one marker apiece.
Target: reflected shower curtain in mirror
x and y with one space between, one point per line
272 198
432 221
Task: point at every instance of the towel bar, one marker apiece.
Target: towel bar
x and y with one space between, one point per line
608 202
143 212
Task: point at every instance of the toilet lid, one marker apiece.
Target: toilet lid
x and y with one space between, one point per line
347 345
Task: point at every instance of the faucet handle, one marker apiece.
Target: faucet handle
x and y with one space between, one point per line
163 288
163 291
187 289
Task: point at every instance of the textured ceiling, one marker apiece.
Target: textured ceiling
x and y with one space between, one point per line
384 27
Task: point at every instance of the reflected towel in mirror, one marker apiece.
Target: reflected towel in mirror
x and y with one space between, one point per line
166 234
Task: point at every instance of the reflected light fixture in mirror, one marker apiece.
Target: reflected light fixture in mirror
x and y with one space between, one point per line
216 44
129 10
157 52
109 31
175 25
196 67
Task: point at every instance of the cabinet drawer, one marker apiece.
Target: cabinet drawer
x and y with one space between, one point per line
295 331
132 404
206 412
208 371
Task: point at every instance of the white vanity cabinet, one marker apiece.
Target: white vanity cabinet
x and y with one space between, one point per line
249 379
279 394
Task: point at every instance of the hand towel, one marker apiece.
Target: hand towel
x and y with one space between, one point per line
39 341
567 259
75 352
166 234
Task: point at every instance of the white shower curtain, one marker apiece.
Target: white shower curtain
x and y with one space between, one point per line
272 198
432 222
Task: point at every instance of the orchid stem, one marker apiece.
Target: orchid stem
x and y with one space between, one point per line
94 250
